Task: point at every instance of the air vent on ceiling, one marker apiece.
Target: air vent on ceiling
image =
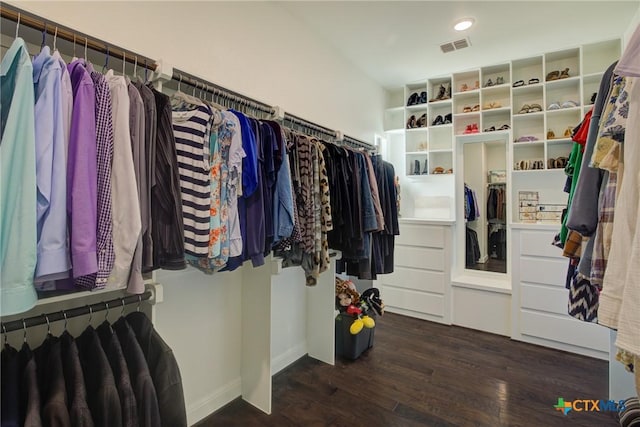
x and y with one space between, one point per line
455 45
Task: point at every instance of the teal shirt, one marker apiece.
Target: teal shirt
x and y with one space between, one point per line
18 241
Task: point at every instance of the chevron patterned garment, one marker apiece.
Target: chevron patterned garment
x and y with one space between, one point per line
583 299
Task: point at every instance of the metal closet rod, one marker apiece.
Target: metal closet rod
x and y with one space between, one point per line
80 39
183 77
357 143
309 125
30 322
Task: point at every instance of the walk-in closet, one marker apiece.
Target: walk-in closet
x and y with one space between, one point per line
298 213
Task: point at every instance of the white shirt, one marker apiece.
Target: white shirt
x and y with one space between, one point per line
236 153
125 205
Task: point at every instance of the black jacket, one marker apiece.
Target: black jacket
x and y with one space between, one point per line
164 371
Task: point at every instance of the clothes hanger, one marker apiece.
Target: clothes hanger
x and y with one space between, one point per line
44 37
55 39
135 67
106 62
85 49
90 313
6 338
124 63
24 326
17 25
145 71
64 314
139 302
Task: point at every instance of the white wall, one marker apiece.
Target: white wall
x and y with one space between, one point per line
255 48
258 49
635 21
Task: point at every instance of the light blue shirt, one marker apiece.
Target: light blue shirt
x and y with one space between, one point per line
18 221
51 166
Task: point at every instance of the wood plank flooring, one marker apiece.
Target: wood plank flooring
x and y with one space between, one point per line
425 374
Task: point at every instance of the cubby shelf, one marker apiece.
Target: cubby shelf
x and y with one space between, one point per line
586 65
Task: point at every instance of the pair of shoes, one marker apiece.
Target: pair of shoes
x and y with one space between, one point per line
566 104
527 138
557 163
533 108
416 167
472 128
469 109
504 127
493 104
416 99
499 81
556 75
414 122
439 120
528 164
532 81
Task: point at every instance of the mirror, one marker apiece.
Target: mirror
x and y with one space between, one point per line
485 205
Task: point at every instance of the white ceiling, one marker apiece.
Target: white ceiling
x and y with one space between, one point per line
397 42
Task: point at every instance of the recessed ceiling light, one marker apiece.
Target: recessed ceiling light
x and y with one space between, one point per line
464 24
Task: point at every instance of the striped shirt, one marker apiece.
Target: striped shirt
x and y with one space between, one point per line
191 131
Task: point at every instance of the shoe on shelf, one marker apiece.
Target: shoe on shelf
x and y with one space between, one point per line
425 171
449 171
491 129
416 167
422 121
518 83
554 106
564 74
474 128
500 80
413 99
535 108
441 94
593 97
551 134
553 75
464 87
438 170
504 127
489 83
423 97
491 105
468 130
568 133
569 104
438 121
524 109
411 123
526 138
476 107
448 93
466 109
447 119
534 81
477 85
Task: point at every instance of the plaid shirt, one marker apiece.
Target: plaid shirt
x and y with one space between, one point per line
104 142
602 244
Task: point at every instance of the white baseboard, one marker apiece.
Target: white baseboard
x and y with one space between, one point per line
206 406
280 362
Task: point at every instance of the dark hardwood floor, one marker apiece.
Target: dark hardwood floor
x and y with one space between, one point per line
492 264
425 374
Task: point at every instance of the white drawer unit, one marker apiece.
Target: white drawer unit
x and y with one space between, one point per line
540 299
420 285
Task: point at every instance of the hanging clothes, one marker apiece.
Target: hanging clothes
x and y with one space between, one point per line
472 247
166 197
18 194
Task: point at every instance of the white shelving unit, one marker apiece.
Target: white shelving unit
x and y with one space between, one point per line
485 100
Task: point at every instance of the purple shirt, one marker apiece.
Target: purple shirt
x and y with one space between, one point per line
82 178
